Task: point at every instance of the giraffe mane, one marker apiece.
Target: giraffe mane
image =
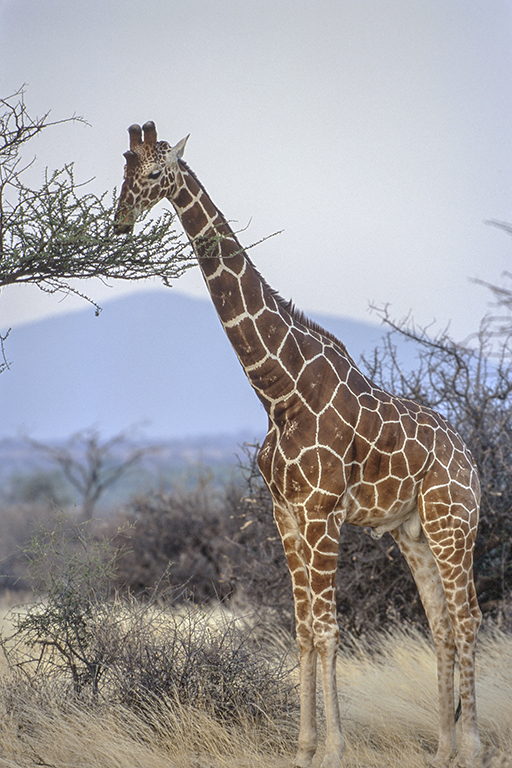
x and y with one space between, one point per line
300 317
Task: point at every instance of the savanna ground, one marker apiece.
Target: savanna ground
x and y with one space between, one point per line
93 676
388 701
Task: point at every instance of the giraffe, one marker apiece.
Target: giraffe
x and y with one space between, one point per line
338 449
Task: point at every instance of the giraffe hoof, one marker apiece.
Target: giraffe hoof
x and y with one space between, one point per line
464 762
304 758
331 761
468 754
441 761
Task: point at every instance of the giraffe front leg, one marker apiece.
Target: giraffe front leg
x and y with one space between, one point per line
326 635
327 646
308 739
323 538
318 637
293 547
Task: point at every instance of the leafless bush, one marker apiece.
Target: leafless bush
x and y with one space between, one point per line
207 662
94 645
471 384
182 539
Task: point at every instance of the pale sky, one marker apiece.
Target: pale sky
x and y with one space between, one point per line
377 135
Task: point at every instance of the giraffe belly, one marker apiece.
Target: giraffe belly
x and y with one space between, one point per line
367 505
410 522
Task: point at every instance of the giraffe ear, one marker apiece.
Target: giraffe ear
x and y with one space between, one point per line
180 147
132 160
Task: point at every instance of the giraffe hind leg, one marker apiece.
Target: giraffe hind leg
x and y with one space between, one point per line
417 552
449 597
465 617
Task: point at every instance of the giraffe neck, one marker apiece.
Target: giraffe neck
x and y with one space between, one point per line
213 240
257 321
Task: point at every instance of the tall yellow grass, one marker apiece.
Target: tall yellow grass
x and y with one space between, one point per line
388 701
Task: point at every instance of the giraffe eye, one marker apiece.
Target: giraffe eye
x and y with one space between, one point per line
154 174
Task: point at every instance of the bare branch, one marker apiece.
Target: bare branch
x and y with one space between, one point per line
91 466
4 363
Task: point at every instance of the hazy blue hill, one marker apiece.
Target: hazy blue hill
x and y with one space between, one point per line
159 359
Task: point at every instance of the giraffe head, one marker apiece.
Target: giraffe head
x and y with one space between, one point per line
150 174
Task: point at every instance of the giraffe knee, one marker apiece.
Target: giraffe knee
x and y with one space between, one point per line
326 638
305 639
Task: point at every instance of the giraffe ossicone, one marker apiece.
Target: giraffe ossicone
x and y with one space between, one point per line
338 448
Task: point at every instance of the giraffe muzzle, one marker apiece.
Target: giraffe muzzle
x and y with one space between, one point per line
122 229
124 219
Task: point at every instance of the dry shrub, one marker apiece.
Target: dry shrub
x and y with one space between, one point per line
216 666
388 703
78 637
180 540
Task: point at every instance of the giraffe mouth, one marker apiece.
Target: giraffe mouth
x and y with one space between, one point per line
123 219
122 229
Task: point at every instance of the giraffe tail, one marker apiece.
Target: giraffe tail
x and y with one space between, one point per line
458 711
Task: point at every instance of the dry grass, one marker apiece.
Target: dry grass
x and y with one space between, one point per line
388 702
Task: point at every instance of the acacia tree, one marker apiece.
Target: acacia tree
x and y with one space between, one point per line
62 231
91 465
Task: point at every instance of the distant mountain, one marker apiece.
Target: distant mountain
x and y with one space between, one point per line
157 359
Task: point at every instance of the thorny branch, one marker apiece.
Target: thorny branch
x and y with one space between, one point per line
59 232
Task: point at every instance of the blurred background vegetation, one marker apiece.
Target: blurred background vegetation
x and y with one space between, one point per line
205 528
